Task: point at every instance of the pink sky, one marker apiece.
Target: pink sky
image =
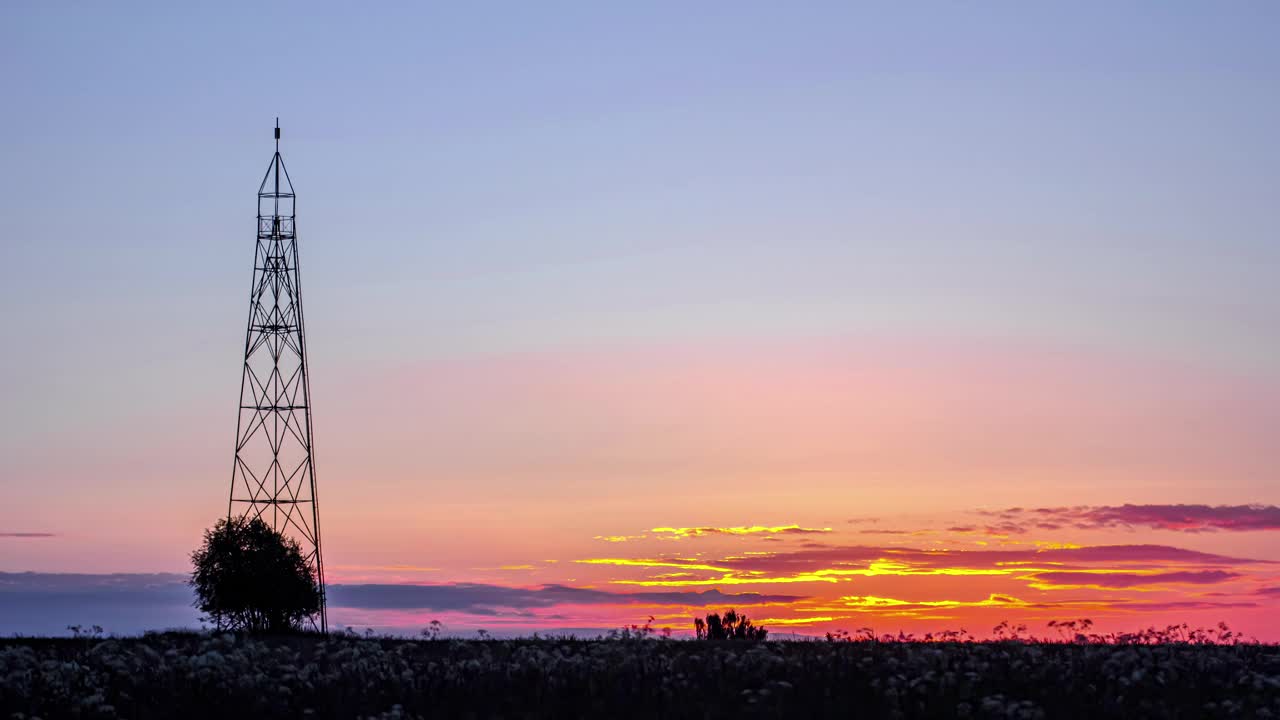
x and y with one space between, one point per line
884 468
591 271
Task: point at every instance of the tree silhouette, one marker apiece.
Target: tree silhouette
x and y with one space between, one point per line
731 626
250 577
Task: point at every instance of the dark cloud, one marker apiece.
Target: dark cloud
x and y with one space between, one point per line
479 598
1001 529
26 535
1128 580
1141 554
466 597
46 603
1134 557
105 585
1184 518
1182 605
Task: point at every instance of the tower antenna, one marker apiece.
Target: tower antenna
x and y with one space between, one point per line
273 477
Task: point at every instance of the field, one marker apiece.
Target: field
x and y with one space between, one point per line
194 676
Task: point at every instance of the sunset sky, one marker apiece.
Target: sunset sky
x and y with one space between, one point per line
912 318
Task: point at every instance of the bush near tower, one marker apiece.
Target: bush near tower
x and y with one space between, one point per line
251 578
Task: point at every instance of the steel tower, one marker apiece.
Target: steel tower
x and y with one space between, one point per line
274 474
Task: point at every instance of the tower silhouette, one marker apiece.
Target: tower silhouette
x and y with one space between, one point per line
274 474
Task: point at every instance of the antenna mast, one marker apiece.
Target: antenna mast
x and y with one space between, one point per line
274 473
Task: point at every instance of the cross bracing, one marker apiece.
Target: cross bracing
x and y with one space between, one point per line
274 475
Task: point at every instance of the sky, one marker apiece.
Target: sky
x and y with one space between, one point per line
845 315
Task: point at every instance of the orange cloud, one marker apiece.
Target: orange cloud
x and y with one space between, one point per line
619 538
688 532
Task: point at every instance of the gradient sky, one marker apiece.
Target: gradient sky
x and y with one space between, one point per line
862 278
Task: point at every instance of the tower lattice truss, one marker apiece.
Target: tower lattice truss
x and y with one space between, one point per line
274 476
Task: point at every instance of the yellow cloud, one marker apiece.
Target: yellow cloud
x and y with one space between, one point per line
819 576
797 621
882 567
629 562
866 602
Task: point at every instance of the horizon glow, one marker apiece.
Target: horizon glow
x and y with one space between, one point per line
842 316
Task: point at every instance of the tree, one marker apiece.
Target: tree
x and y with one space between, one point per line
250 577
731 626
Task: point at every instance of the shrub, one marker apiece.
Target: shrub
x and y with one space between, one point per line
250 577
730 626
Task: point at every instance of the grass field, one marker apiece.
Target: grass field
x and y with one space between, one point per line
192 676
